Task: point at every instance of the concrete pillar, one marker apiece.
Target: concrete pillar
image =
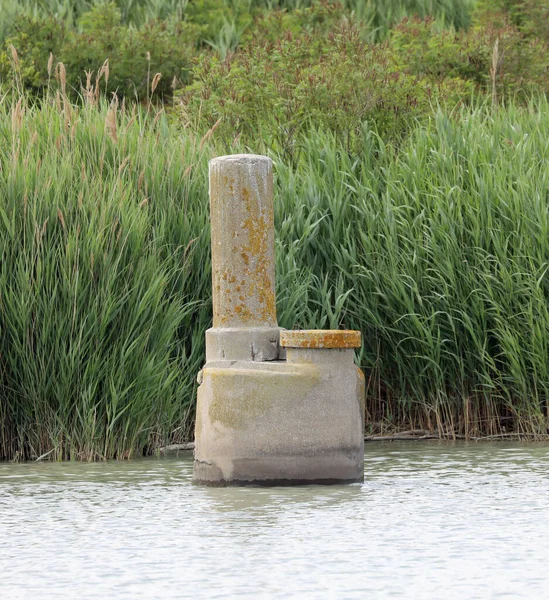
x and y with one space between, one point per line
243 271
262 418
242 220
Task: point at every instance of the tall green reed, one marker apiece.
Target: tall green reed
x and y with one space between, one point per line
444 246
101 275
438 252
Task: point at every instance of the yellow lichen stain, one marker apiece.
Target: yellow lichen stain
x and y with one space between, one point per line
252 253
330 338
261 278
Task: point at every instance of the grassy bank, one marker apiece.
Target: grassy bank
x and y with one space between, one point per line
436 250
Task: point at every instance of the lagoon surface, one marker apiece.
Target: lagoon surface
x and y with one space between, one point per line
432 520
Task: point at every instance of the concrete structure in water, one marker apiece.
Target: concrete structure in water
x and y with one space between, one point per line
274 406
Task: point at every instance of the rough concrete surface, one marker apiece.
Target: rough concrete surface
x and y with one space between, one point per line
274 406
242 222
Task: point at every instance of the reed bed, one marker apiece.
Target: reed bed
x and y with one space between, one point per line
438 251
101 311
443 246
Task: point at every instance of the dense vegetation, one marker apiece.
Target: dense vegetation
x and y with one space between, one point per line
273 69
411 203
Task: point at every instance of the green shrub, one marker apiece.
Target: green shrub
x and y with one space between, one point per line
522 65
134 56
33 41
134 13
380 17
317 20
276 91
429 61
530 16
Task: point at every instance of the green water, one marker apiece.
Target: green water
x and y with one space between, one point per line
430 521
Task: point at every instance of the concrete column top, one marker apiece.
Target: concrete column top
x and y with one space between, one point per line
250 159
242 225
320 338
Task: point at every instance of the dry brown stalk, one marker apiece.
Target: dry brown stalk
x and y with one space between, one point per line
17 117
494 71
123 164
155 81
14 55
157 116
110 121
88 92
209 134
61 218
61 77
130 123
140 180
50 64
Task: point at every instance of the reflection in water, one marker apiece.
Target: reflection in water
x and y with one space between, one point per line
431 521
260 500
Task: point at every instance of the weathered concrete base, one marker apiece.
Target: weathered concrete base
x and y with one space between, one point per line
335 467
281 422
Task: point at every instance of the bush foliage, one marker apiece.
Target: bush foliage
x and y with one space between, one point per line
436 49
134 56
277 89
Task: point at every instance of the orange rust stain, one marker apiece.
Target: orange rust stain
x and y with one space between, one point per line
330 338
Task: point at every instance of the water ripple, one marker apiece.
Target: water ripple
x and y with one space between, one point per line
430 521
